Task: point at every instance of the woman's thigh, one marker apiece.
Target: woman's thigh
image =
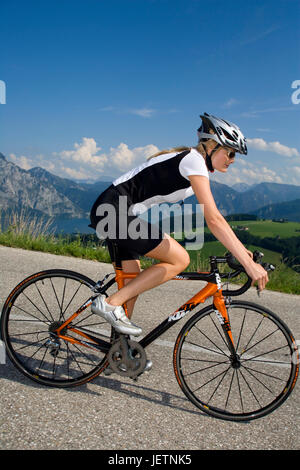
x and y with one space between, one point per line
170 251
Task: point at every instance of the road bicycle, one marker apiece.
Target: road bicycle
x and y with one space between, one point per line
234 360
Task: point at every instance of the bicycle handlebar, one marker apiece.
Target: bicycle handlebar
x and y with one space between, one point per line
238 269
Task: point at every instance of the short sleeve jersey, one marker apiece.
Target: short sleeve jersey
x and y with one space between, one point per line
161 179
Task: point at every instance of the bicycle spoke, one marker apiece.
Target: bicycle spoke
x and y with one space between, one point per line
241 331
30 344
264 354
30 333
43 300
253 394
71 299
209 381
55 294
206 349
218 385
36 306
218 331
212 342
30 314
275 377
230 387
260 341
205 368
63 295
240 391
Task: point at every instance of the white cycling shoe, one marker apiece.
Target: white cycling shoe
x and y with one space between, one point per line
115 316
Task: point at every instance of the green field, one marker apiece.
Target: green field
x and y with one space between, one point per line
33 235
217 249
283 279
267 228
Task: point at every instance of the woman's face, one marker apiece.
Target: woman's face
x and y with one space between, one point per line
222 159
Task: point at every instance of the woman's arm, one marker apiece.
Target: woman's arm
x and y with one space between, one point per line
223 232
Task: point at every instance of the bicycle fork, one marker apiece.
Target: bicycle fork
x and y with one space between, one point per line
222 316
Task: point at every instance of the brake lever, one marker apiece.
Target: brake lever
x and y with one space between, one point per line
257 291
257 256
268 266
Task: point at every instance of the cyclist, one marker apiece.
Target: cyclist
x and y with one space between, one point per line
168 176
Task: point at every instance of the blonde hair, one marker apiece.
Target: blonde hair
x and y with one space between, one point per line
202 148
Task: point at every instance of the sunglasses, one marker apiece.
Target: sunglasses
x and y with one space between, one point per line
230 152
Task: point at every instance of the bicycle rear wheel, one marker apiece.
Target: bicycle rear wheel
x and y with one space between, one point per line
32 312
248 388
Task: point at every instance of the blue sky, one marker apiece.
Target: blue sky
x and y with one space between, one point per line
94 87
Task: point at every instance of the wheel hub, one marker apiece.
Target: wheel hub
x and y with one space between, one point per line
54 326
235 361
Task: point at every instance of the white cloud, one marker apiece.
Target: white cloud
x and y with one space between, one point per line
93 162
250 173
277 147
263 175
22 161
229 103
86 161
254 113
143 112
86 152
74 174
296 169
122 158
259 36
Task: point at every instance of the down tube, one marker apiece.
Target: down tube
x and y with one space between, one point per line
158 331
200 297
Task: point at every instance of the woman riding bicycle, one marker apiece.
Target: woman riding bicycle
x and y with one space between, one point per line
168 176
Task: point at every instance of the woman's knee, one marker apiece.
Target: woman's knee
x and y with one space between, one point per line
170 251
184 260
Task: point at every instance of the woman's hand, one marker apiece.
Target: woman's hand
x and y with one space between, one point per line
258 274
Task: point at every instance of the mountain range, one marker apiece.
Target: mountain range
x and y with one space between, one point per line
44 193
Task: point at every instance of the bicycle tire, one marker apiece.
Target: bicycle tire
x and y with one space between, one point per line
31 309
260 383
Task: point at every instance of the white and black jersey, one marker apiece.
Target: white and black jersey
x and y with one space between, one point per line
161 179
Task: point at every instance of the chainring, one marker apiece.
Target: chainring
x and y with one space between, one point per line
129 361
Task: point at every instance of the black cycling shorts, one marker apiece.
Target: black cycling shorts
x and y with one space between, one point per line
133 235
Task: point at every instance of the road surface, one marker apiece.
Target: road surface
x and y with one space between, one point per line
116 413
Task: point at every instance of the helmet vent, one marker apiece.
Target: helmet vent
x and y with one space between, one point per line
228 136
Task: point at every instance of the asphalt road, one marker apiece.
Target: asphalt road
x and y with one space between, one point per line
116 413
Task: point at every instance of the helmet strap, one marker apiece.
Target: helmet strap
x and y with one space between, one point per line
208 158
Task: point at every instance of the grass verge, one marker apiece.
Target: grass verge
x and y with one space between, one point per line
22 231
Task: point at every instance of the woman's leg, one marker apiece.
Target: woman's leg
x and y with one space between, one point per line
173 259
131 266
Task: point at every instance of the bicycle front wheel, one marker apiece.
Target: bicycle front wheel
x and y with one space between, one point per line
32 312
260 378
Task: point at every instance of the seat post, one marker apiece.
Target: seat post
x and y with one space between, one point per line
114 254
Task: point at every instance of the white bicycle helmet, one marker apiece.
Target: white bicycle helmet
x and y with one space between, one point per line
225 133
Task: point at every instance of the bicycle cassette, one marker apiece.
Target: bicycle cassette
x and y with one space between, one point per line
127 358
